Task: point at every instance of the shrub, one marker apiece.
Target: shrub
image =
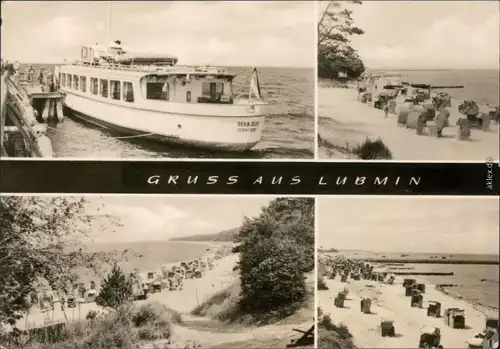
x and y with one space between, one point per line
333 336
276 250
154 321
372 150
113 331
272 279
116 290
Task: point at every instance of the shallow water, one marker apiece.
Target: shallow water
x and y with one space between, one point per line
478 284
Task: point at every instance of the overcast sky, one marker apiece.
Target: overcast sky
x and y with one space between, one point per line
410 224
428 34
218 33
147 218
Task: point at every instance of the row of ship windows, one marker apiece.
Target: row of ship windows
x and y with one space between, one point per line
119 90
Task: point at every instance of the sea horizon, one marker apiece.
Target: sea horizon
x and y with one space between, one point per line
414 252
430 69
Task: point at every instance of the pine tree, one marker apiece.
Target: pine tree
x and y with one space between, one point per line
115 291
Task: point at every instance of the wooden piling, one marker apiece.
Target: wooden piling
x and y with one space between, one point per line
24 109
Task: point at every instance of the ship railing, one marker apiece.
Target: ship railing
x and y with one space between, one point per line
153 68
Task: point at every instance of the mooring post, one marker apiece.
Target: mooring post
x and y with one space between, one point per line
3 112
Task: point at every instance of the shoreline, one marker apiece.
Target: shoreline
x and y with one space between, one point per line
344 123
428 261
390 303
405 271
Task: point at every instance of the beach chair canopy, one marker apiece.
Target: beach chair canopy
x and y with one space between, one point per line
428 329
476 342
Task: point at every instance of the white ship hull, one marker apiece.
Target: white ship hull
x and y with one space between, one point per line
236 129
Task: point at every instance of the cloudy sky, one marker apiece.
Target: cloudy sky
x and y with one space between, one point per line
410 224
147 218
217 33
429 34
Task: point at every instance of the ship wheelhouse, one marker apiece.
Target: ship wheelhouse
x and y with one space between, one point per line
188 87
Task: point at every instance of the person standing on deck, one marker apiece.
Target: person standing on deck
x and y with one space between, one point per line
31 73
164 91
41 75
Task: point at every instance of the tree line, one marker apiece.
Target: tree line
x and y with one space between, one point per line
336 56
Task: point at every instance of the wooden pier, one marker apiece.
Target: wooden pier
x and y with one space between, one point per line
27 106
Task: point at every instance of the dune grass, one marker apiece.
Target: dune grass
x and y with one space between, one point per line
225 306
333 336
124 329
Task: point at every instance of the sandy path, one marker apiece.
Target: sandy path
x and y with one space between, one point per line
210 333
389 302
349 121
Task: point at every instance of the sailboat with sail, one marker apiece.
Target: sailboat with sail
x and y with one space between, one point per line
150 96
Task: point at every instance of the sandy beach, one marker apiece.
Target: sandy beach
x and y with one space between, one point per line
390 303
194 292
344 120
199 330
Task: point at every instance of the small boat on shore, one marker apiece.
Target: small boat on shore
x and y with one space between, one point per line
149 96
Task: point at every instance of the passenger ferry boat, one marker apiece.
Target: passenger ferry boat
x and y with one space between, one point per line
149 96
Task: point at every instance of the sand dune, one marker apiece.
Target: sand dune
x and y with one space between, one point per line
349 121
390 303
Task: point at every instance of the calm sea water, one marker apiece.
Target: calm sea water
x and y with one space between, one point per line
481 86
477 284
288 132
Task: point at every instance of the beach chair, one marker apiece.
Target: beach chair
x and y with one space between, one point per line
455 318
71 302
339 300
430 338
409 290
492 323
343 278
417 120
407 282
417 300
430 110
91 295
434 309
366 306
421 288
475 343
387 328
156 287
